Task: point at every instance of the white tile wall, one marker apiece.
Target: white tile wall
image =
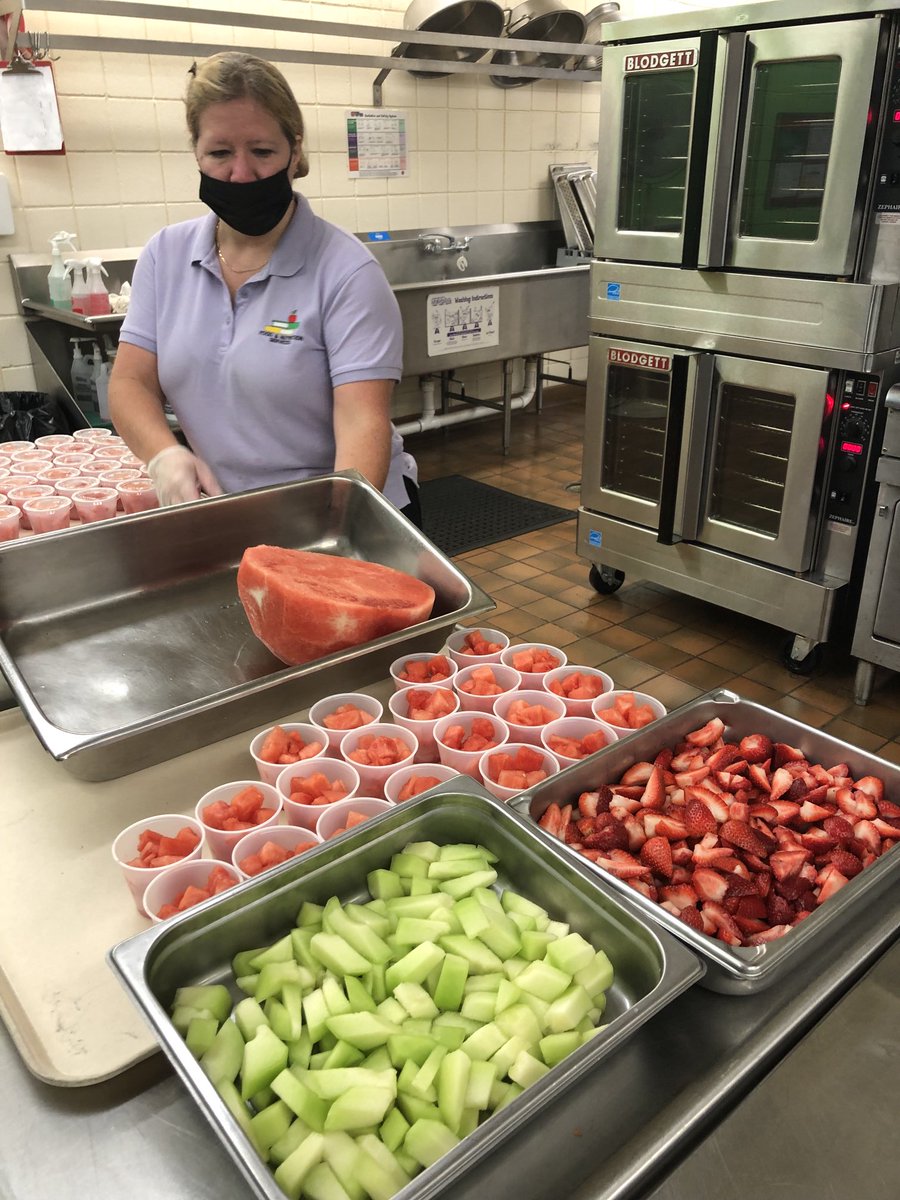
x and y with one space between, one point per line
477 153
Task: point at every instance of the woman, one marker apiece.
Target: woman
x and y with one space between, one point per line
272 335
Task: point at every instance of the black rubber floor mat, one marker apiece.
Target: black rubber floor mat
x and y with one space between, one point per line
461 514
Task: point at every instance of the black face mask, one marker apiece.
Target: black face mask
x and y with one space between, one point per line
250 208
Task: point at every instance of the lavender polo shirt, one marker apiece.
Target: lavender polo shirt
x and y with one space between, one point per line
251 384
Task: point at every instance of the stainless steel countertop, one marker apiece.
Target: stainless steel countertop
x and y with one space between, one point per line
613 1137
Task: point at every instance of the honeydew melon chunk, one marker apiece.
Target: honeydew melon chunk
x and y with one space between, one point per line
478 1085
407 1074
566 1012
409 866
427 850
484 983
322 1184
300 944
452 1087
480 958
451 982
223 1059
513 901
513 1091
489 898
454 1021
416 1109
417 1025
415 1000
309 914
559 929
289 1141
538 1007
379 1168
427 1141
507 1055
534 944
343 1055
597 977
426 1076
335 953
315 1010
364 914
384 885
522 922
183 1014
373 982
415 966
480 1006
280 951
291 1174
292 999
409 1048
334 995
214 997
362 938
513 967
460 850
519 1021
449 1036
557 1046
411 931
248 1015
466 884
274 975
393 1129
270 1124
237 1108
527 1070
247 983
571 953
592 1033
341 1153
544 980
418 906
300 1098
598 1010
241 963
507 995
453 868
502 936
358 995
472 916
377 1060
359 1108
485 1041
265 1056
363 1030
378 906
392 1010
200 1035
422 887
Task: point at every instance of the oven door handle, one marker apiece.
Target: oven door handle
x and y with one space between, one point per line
667 534
892 399
712 215
684 452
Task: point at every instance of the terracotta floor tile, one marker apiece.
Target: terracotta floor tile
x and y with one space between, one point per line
660 655
518 572
751 689
515 622
692 641
589 652
628 672
551 634
700 673
819 698
807 713
621 639
518 595
775 676
670 691
854 734
890 751
876 717
651 625
548 609
583 622
731 657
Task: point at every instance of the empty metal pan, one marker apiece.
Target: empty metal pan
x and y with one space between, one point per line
609 11
473 18
537 21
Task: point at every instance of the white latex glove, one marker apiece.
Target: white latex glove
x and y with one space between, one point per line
178 475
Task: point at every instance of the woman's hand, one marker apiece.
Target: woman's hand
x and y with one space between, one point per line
178 475
362 428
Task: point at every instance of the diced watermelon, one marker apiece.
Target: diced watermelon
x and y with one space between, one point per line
420 670
379 751
317 789
417 784
347 716
476 643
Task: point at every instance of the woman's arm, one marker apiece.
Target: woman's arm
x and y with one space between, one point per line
136 402
362 428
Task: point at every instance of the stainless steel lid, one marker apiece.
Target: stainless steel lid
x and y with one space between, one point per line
475 18
538 21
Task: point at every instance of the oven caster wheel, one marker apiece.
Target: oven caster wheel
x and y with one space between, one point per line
798 662
605 580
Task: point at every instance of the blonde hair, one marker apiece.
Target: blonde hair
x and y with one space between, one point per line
233 75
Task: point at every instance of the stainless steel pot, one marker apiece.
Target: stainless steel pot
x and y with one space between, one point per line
597 17
475 18
538 21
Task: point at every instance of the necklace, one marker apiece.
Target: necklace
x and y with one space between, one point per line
235 270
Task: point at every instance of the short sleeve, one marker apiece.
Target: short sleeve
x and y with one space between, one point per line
362 328
140 325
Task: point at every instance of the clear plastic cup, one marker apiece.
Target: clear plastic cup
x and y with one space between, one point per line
75 483
395 784
606 704
92 434
532 679
27 491
398 705
167 888
110 451
531 734
54 441
399 665
575 707
466 761
310 735
96 503
109 475
135 495
550 765
53 474
10 522
8 449
372 778
463 658
27 459
333 821
222 841
18 479
286 836
125 848
77 462
327 705
48 514
336 771
575 728
508 680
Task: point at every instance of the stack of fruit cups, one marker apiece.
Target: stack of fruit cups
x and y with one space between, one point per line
466 761
439 700
344 815
221 842
341 777
334 716
516 656
310 740
371 776
533 699
125 851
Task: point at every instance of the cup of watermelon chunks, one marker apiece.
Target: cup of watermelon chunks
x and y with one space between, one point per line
338 714
578 686
307 787
347 814
527 711
229 810
570 739
376 752
627 711
188 884
533 660
278 747
261 849
411 670
418 709
407 782
514 767
478 687
463 737
473 647
152 846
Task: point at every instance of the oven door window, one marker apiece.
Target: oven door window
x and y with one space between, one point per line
750 458
634 434
656 134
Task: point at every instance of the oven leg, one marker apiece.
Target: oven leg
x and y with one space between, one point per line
862 684
800 655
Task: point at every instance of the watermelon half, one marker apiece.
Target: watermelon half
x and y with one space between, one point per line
303 605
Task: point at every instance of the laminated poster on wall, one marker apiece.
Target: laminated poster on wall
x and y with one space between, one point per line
465 320
29 111
376 143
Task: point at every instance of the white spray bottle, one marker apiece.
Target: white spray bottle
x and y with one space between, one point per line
97 297
58 282
79 292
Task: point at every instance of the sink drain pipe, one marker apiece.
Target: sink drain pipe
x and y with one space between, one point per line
431 419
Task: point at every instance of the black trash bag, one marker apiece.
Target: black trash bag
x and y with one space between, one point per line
25 416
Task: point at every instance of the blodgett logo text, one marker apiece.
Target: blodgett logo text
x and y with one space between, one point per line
634 358
663 60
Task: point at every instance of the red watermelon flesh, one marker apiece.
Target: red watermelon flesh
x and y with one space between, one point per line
303 605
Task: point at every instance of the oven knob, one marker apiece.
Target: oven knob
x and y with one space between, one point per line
848 463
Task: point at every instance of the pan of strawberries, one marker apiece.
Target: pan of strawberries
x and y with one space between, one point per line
748 834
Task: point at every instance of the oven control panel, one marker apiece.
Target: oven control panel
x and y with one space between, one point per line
887 178
855 421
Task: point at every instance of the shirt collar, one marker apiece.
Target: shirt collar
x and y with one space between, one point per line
289 255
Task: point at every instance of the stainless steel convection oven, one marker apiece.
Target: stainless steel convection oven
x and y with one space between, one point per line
745 306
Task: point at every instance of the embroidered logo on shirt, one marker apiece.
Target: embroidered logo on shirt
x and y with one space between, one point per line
283 332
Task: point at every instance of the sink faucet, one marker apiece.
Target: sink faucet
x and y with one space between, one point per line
442 243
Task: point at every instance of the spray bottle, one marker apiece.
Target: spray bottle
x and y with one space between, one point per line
97 299
58 282
79 291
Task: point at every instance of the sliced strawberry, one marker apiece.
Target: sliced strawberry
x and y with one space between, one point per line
588 804
817 840
724 757
656 853
709 885
838 828
787 863
739 810
664 758
783 753
671 828
874 787
848 864
832 882
655 792
778 910
780 784
857 805
680 895
887 829
710 733
637 773
551 820
769 935
623 865
756 748
725 925
645 888
689 778
866 833
750 925
739 886
812 813
691 917
698 819
888 809
739 834
716 804
752 908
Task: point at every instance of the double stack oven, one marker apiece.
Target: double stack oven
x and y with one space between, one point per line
745 307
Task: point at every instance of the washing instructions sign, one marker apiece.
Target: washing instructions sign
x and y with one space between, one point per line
376 143
462 320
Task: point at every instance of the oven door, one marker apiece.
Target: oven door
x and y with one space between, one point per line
766 454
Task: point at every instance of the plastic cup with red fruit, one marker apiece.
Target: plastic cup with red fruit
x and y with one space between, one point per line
281 745
527 711
418 709
408 782
262 849
514 767
336 715
413 670
627 711
578 686
228 811
479 686
187 885
468 647
533 660
152 846
347 814
307 787
463 737
570 739
376 751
